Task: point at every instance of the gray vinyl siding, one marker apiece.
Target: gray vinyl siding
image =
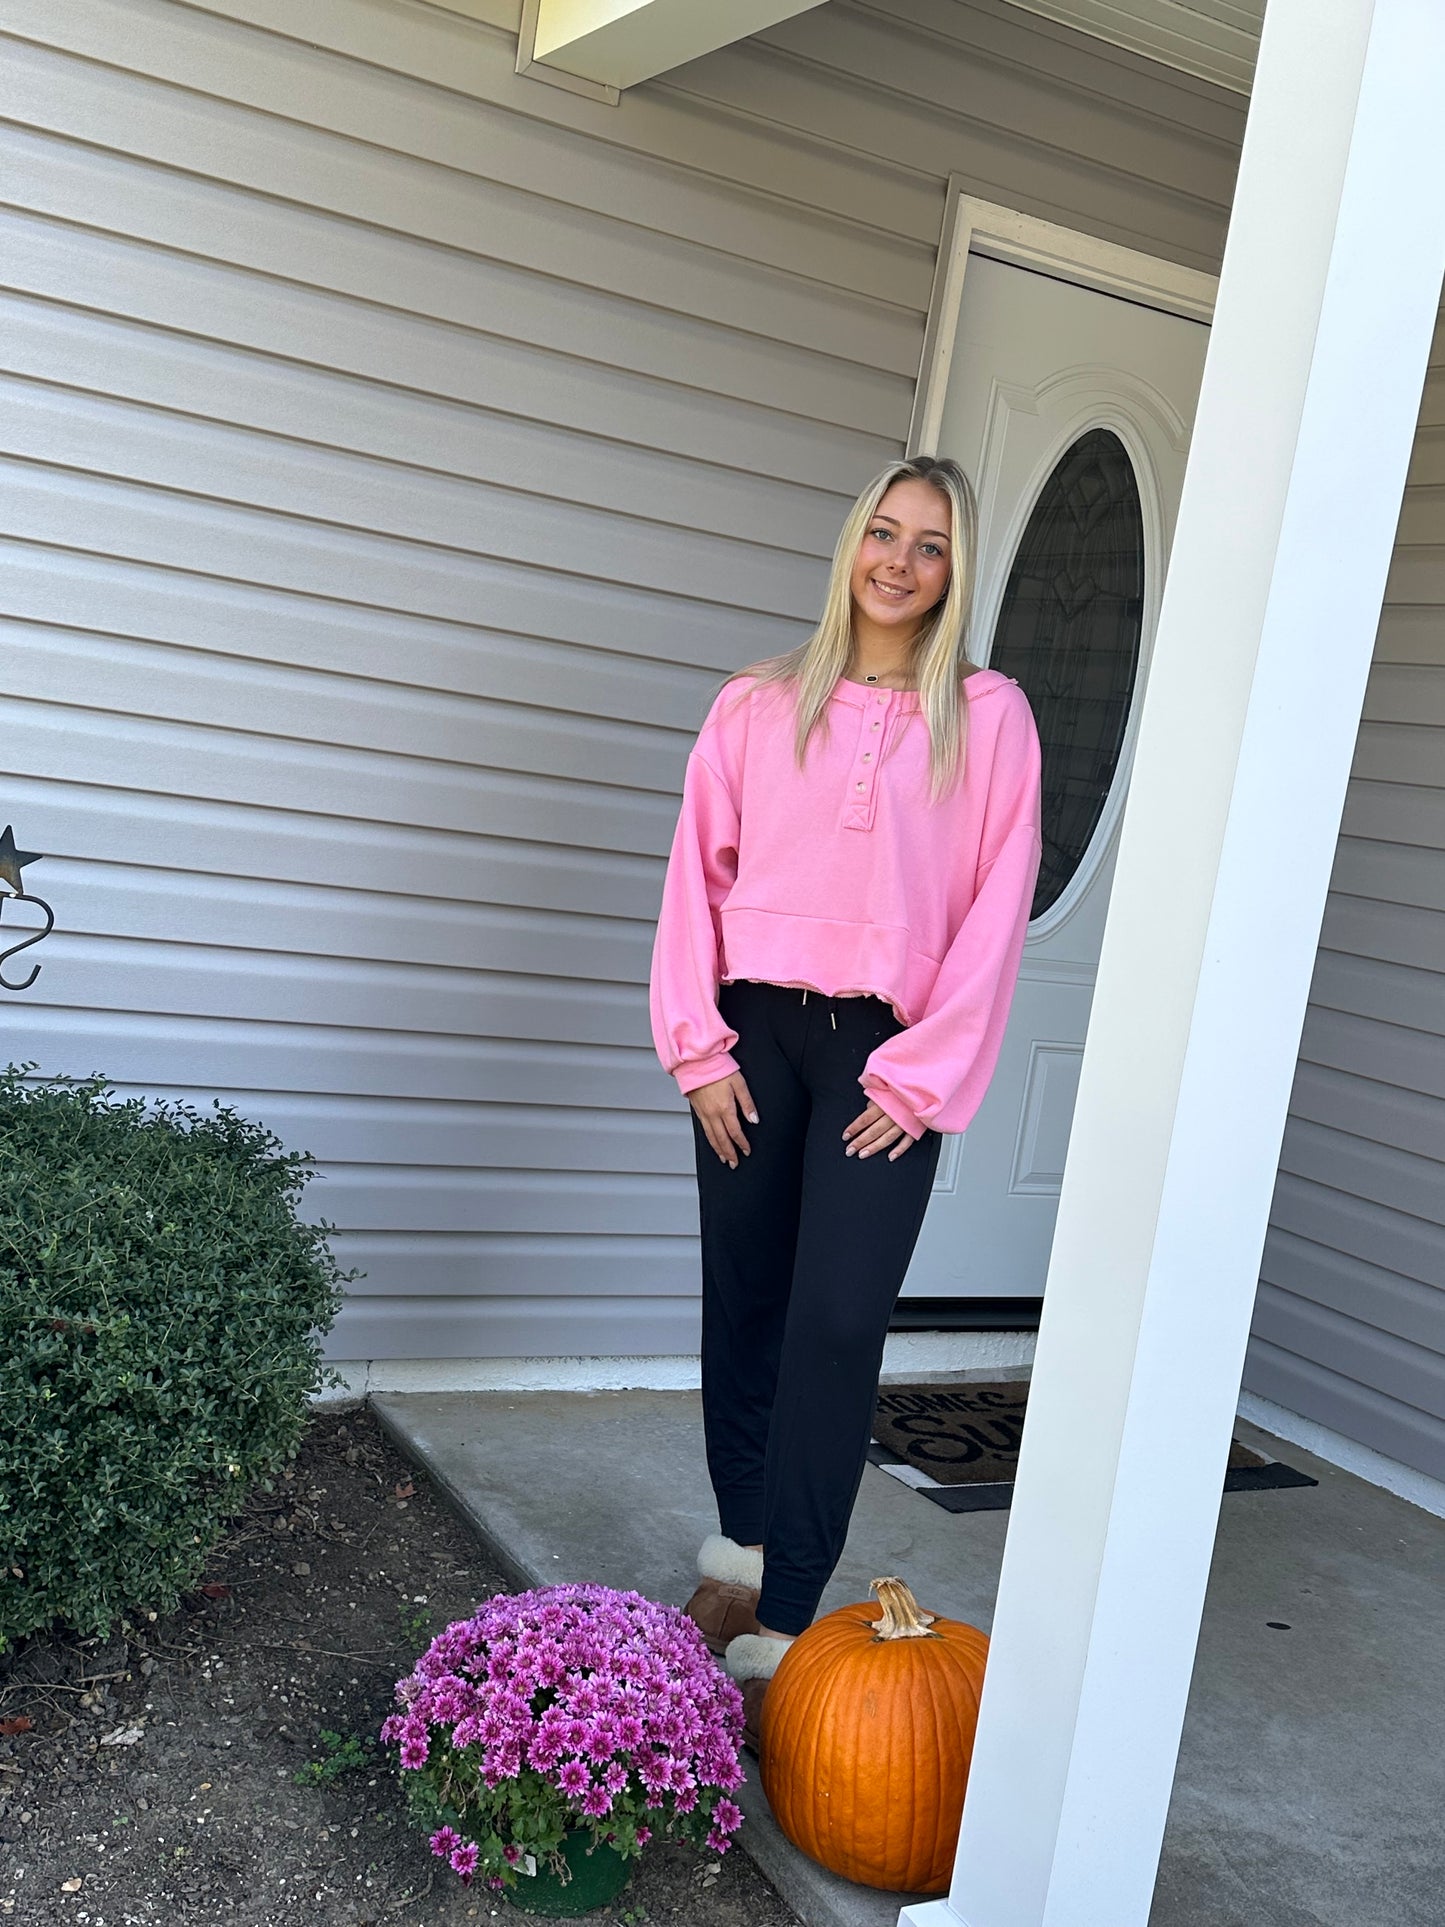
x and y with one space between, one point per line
397 450
1350 1321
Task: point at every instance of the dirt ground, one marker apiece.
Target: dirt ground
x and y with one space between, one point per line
185 1775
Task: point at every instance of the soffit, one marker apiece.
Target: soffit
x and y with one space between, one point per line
1215 39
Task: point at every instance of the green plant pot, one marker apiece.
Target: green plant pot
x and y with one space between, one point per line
597 1877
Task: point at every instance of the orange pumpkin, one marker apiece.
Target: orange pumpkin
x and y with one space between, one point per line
866 1738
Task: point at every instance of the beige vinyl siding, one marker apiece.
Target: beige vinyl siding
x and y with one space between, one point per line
1350 1323
396 452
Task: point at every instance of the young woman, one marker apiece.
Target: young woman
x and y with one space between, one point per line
841 927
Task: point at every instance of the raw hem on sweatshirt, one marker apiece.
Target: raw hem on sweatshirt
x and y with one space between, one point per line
835 959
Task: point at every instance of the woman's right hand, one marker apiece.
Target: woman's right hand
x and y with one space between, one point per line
718 1106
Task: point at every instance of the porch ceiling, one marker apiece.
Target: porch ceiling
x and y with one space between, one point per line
614 44
1216 39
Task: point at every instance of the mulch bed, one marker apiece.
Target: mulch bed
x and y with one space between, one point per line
182 1775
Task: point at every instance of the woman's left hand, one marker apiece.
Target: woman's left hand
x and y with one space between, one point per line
871 1130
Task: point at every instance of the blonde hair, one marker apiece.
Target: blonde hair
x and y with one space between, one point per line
939 654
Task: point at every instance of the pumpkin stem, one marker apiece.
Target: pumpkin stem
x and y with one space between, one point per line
903 1617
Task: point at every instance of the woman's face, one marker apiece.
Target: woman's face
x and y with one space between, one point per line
903 561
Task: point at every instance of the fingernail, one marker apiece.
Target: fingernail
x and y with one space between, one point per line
752 1117
851 1151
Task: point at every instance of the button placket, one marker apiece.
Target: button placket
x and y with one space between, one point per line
862 791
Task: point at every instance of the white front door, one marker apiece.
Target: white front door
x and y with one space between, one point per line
1070 411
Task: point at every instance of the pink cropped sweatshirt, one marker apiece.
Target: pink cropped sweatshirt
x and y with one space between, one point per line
844 877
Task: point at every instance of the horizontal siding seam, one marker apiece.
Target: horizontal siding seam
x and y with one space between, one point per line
547 276
544 351
559 780
1408 1220
1358 1331
354 451
464 626
1080 47
1353 956
905 384
610 134
413 158
294 518
995 133
1347 1389
679 734
1122 106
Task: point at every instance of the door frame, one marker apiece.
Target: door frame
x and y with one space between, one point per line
977 227
974 226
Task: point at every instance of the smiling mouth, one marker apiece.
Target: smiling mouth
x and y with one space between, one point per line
889 592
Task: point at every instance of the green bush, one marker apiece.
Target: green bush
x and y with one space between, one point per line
161 1308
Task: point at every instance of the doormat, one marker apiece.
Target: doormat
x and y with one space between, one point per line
958 1445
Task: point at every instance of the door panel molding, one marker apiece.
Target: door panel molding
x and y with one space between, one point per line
1038 1169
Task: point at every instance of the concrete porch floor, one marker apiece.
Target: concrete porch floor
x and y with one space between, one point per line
1311 1783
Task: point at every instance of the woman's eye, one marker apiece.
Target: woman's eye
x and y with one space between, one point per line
876 533
933 548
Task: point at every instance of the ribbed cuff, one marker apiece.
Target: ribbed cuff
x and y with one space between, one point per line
706 1070
893 1104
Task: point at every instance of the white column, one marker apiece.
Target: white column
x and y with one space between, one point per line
1327 298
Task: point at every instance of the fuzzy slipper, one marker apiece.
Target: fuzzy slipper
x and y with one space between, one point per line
751 1660
725 1604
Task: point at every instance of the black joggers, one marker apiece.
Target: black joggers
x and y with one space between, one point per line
804 1251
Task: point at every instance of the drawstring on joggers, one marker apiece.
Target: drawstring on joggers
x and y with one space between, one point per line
832 1014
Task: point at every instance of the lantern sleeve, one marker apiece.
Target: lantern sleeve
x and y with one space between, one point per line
934 1073
692 1039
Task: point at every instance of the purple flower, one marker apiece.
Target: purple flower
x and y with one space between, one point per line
573 1694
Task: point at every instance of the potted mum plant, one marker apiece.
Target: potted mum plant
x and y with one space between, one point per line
544 1741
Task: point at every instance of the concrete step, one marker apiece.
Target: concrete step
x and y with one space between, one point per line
1311 1778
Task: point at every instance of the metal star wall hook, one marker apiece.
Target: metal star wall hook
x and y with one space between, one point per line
12 862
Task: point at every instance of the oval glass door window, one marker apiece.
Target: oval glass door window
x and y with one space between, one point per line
1068 629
